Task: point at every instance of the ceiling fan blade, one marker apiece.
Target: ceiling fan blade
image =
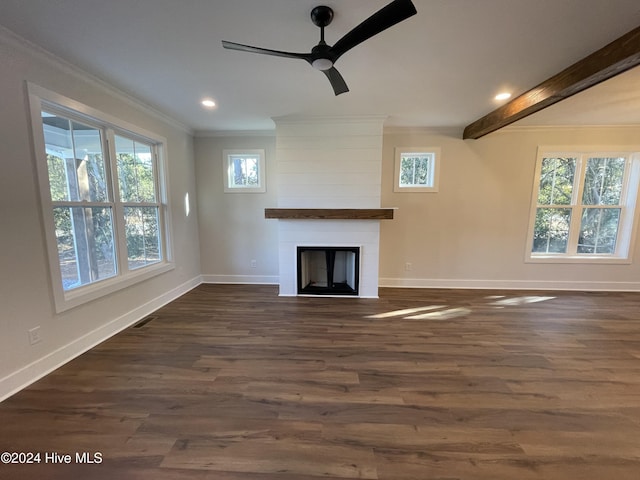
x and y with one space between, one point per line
337 82
264 51
386 17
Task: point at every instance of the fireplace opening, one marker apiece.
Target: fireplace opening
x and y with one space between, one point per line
328 270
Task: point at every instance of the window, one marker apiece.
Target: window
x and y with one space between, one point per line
583 206
244 171
416 170
103 200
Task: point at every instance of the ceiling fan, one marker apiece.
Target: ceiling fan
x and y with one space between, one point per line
323 56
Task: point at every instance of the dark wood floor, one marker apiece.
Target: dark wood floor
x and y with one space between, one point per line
236 383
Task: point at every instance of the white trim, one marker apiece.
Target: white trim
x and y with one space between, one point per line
73 298
23 45
296 119
455 132
311 295
433 185
541 128
242 279
66 105
25 376
594 259
233 133
226 170
588 286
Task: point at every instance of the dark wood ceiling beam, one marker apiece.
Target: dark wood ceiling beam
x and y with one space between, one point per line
617 57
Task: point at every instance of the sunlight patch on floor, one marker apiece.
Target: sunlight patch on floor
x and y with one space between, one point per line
503 302
442 314
406 311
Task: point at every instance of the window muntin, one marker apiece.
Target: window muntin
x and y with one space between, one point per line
100 238
416 170
583 206
244 171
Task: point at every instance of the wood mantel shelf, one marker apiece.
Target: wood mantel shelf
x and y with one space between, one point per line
329 213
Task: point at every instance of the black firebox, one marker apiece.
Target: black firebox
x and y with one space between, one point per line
328 270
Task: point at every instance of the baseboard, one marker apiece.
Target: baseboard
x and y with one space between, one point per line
589 286
248 279
27 375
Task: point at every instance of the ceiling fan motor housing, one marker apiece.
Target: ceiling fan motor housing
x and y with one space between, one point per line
321 16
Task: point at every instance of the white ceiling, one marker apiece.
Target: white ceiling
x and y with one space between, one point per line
439 68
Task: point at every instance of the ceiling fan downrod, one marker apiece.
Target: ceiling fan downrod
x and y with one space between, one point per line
321 16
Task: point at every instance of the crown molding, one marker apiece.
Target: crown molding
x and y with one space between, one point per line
234 133
323 119
455 132
543 128
24 46
413 130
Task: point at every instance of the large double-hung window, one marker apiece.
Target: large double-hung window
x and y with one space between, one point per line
583 209
104 201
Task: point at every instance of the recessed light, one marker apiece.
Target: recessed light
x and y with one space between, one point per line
503 96
207 102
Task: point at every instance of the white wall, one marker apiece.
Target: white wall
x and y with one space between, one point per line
472 233
327 162
233 230
25 293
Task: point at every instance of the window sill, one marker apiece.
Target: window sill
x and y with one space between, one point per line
415 189
74 298
578 259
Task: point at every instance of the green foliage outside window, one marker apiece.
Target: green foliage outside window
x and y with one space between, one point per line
598 209
415 170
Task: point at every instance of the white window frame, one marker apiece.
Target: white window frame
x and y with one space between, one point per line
42 99
227 159
628 203
433 185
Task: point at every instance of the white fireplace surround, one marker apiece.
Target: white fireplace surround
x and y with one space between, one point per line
330 233
329 163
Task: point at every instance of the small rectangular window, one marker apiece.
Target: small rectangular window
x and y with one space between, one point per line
583 206
244 171
416 170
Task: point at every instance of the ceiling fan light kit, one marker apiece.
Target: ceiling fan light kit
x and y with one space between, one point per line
323 57
322 64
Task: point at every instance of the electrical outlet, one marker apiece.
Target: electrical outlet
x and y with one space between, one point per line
407 267
254 264
34 335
